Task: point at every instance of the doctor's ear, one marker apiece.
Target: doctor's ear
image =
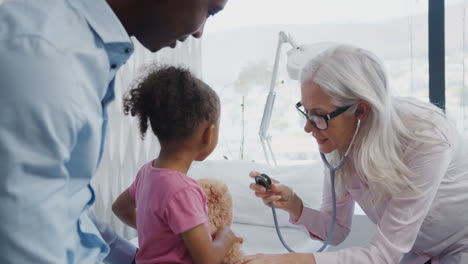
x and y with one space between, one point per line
362 110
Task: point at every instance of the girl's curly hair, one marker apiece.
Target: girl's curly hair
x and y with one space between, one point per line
173 101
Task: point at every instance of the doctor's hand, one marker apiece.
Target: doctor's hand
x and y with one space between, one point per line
281 195
290 258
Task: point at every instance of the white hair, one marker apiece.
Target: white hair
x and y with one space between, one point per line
349 74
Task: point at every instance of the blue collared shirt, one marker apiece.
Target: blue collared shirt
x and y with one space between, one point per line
58 60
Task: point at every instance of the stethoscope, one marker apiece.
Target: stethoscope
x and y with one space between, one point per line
265 181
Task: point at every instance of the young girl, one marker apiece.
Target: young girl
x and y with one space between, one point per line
167 207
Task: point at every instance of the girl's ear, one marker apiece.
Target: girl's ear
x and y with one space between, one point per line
209 134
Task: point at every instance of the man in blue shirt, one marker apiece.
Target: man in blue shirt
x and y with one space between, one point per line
58 60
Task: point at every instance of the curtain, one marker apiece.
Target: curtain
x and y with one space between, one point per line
124 151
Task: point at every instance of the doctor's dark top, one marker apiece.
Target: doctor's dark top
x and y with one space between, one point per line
410 227
58 60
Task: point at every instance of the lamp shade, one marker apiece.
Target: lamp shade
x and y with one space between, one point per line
300 56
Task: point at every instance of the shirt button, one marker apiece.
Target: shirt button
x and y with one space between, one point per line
113 66
128 50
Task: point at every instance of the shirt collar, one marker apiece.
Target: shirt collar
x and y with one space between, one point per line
103 20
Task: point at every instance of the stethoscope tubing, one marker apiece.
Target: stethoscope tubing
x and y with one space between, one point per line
332 169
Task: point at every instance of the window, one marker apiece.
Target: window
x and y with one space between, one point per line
239 52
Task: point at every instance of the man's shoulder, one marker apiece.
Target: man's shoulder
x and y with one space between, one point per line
48 21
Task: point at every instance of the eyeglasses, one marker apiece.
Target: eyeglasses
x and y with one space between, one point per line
320 121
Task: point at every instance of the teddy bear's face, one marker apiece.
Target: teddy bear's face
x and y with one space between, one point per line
219 203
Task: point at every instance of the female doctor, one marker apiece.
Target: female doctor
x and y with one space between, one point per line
407 168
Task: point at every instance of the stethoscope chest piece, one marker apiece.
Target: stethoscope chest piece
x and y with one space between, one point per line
263 180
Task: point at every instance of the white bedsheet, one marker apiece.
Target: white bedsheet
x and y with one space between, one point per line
261 239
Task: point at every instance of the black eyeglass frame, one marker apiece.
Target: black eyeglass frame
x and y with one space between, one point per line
331 115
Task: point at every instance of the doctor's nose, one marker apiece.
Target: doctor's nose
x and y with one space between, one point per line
308 127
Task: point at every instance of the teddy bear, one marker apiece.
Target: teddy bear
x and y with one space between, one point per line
219 203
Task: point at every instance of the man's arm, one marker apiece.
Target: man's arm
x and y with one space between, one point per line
122 251
39 120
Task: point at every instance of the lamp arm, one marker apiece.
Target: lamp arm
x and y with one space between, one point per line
283 38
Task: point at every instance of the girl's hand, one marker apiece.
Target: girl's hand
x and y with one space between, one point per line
225 232
205 249
290 258
281 195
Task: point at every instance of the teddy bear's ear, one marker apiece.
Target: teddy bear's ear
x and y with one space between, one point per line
202 181
210 185
219 201
205 184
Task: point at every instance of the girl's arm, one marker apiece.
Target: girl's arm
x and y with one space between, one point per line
203 250
124 208
304 258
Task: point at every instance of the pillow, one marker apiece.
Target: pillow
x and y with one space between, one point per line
305 179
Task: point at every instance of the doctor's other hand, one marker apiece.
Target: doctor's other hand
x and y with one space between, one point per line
291 258
282 196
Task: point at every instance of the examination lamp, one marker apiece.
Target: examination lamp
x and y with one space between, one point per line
297 57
